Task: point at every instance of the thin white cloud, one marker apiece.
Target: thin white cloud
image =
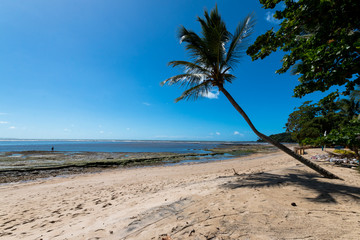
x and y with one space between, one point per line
169 137
101 132
238 133
217 133
1 113
12 127
269 16
182 137
146 104
3 122
211 94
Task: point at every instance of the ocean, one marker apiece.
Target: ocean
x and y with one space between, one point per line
110 146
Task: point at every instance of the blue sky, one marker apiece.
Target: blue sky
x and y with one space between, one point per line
86 69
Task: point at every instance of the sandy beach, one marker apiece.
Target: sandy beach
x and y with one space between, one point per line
272 197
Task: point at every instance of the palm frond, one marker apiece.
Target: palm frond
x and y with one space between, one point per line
195 92
189 67
229 77
195 45
238 43
185 80
215 35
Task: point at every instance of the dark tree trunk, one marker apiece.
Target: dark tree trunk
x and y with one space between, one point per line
280 146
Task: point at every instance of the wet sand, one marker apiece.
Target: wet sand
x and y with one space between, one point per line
271 197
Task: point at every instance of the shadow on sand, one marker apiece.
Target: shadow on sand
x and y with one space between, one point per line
326 190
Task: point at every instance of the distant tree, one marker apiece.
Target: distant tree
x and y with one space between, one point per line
310 121
214 55
284 137
321 41
301 121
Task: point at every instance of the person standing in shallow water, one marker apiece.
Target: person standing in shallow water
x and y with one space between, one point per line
52 149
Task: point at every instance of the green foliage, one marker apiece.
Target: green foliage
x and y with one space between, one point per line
313 142
350 108
280 137
301 120
348 135
310 121
321 40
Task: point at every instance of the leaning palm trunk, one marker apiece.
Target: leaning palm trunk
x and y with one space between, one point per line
280 146
213 56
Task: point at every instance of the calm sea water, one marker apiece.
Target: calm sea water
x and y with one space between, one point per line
108 146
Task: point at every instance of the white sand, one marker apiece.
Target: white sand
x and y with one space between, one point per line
199 201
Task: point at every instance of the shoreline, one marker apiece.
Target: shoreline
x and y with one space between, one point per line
93 145
69 172
31 165
271 197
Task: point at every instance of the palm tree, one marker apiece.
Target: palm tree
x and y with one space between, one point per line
214 55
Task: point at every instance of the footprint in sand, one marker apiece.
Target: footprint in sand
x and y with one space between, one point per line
106 205
79 207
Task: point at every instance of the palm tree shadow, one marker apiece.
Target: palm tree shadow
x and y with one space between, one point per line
326 190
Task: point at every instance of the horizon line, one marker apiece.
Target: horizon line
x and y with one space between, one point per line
94 139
